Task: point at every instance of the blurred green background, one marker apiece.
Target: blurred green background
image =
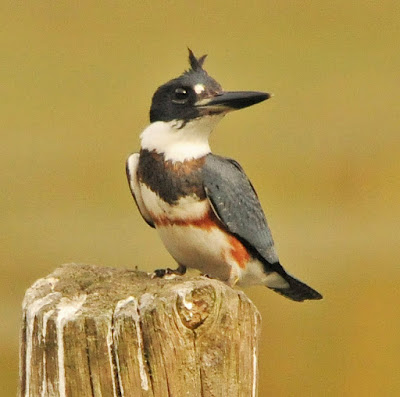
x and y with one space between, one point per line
76 79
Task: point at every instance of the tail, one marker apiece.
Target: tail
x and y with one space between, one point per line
288 286
297 291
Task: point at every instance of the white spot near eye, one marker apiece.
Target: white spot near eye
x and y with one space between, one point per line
199 88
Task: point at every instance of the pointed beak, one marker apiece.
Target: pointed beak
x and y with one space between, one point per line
232 100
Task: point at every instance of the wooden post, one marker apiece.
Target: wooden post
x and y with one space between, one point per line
96 331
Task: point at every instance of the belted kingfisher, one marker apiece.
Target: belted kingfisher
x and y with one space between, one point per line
203 206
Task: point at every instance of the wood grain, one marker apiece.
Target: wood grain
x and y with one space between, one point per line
96 331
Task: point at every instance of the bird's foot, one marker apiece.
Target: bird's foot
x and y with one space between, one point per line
161 273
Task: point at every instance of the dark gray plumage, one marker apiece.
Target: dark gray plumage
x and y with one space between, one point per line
236 204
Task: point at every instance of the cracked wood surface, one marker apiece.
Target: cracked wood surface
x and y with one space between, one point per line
96 331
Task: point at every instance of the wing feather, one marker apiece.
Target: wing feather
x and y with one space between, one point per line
131 173
236 204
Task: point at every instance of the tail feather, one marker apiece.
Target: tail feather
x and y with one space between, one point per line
297 291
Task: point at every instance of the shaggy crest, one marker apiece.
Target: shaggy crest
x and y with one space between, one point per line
163 108
196 64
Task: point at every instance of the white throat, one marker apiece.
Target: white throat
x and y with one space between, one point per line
180 143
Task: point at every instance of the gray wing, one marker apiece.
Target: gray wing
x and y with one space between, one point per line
131 173
236 204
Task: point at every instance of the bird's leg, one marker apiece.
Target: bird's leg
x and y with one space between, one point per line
233 279
181 270
160 273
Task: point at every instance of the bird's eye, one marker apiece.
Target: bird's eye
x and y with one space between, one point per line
181 95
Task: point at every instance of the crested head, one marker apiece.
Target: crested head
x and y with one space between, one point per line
176 99
185 110
195 94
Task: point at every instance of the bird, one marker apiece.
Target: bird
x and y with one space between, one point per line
203 206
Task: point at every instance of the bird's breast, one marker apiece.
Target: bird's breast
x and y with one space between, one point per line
185 210
170 180
174 196
195 237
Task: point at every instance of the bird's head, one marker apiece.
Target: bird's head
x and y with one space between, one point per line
195 94
185 110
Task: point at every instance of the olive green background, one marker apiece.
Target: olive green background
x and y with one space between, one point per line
76 80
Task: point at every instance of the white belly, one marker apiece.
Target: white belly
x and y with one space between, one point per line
208 249
205 250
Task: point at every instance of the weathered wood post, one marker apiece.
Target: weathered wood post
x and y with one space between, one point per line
95 331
